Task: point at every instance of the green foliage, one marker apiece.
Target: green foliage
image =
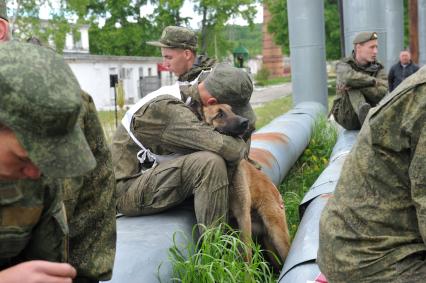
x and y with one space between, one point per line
278 26
307 169
248 36
262 76
217 257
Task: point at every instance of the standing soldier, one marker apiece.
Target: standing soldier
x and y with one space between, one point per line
40 143
90 199
361 82
178 48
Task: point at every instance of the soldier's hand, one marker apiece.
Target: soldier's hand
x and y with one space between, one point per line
38 271
342 87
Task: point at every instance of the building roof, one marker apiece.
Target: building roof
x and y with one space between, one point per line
79 57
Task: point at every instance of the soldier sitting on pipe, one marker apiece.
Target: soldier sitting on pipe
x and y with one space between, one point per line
163 154
361 82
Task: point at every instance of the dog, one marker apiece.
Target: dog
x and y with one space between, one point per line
255 202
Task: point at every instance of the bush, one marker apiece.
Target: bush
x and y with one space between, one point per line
262 76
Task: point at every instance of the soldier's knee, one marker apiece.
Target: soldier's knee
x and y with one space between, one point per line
212 161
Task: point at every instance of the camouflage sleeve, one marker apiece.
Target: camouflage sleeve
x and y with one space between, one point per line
90 202
174 126
348 77
375 93
417 173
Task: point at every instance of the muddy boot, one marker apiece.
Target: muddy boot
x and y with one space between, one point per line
362 112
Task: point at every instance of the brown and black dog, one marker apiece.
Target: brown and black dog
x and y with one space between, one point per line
255 202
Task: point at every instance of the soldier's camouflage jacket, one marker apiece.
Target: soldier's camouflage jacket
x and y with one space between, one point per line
90 204
165 126
33 222
201 63
370 80
377 216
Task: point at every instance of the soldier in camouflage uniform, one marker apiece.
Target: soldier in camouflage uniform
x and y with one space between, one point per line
40 143
190 158
361 82
374 228
90 203
178 48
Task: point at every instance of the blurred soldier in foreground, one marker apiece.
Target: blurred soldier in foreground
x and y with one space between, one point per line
90 199
401 70
361 82
374 228
163 154
40 142
178 48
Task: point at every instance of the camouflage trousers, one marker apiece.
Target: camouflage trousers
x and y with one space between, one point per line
202 175
345 109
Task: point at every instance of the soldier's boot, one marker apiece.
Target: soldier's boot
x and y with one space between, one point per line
363 112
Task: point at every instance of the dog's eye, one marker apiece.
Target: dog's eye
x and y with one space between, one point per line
220 114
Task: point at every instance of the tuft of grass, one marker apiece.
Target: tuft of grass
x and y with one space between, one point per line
307 169
217 257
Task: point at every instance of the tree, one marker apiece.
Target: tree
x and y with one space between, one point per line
215 13
278 26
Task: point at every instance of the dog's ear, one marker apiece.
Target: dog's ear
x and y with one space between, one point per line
212 101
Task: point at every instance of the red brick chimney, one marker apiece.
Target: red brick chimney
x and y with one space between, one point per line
272 55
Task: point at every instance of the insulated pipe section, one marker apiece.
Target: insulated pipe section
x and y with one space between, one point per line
394 31
307 51
421 14
364 15
300 266
143 242
278 145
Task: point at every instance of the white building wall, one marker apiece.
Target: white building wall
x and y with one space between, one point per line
94 78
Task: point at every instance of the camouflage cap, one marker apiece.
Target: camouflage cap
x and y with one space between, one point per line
176 37
233 86
3 10
364 37
40 101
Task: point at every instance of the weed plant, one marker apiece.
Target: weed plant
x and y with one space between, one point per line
307 169
218 256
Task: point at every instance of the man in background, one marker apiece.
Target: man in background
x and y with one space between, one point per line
89 199
361 82
401 70
178 48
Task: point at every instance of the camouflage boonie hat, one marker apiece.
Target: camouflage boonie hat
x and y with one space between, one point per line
233 86
40 102
176 37
364 37
3 10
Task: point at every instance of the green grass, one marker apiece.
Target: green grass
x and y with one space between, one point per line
267 112
273 81
307 169
217 257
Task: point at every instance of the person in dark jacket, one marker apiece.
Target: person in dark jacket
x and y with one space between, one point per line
401 70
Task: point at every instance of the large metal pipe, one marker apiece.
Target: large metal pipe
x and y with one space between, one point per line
143 242
394 31
300 266
364 15
307 50
421 10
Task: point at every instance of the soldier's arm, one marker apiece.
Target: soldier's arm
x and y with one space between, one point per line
92 217
350 78
417 174
174 126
